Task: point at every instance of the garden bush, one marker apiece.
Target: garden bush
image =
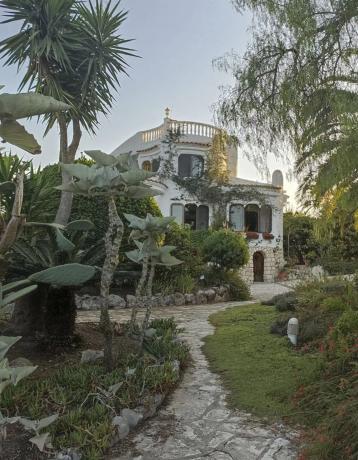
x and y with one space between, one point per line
225 249
283 302
182 278
238 289
327 311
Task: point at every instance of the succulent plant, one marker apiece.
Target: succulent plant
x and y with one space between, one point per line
110 177
23 105
146 234
9 294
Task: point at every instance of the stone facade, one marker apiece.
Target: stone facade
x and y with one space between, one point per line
273 261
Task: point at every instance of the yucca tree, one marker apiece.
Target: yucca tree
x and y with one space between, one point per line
73 51
109 177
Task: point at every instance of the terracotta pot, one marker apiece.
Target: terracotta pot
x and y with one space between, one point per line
267 236
252 235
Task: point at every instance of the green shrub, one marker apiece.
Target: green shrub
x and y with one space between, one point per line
225 249
348 323
238 289
184 277
333 304
285 302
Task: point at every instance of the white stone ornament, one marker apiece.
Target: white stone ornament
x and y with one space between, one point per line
292 330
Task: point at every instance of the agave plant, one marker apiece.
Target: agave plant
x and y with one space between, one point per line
55 260
110 177
10 375
24 105
147 234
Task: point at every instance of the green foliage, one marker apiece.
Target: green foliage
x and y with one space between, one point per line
260 371
64 275
295 87
82 397
76 45
238 289
285 302
23 105
299 242
226 249
184 277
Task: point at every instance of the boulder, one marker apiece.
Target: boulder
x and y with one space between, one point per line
122 426
168 300
131 301
210 294
190 299
90 356
149 333
88 302
132 417
200 297
179 299
116 302
219 298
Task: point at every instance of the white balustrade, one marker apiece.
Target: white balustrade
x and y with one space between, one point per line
186 128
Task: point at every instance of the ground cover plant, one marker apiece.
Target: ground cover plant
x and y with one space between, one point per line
260 370
83 395
316 384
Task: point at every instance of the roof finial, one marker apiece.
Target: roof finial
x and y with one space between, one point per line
167 112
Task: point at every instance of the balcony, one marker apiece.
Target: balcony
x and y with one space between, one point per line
189 130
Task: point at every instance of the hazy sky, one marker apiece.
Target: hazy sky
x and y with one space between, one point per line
177 41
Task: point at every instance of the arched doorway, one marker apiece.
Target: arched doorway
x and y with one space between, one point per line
258 259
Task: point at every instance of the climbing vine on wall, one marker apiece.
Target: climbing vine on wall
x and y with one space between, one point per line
213 187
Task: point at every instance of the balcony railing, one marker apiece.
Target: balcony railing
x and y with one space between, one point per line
186 128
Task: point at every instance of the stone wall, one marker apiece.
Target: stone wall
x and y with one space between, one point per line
273 262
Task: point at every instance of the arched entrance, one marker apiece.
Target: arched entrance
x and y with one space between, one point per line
258 260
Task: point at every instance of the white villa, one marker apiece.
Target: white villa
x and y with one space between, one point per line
262 224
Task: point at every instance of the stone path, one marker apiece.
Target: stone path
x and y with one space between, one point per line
196 423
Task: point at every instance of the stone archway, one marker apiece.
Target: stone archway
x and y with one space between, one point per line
259 266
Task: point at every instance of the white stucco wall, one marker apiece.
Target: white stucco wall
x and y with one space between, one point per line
149 146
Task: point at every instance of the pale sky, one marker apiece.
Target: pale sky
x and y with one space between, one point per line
177 41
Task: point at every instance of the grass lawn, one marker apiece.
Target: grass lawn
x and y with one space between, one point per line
260 370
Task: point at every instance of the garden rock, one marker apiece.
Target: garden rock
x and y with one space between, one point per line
219 298
179 299
189 299
210 294
131 301
132 417
201 298
122 426
149 333
68 454
169 300
116 302
88 302
90 356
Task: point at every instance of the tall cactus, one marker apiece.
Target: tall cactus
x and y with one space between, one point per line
110 177
146 234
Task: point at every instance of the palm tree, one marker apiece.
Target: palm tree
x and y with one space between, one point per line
72 51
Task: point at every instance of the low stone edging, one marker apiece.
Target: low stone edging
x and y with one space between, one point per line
212 295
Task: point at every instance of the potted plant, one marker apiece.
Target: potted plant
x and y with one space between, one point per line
252 235
267 236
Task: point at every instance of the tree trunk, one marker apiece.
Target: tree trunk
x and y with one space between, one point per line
148 310
28 317
67 156
113 239
138 293
60 316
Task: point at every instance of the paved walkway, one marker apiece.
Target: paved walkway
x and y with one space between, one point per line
196 423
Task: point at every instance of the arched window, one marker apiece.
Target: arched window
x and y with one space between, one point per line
252 212
237 217
155 164
190 215
190 165
202 217
177 211
147 165
265 219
